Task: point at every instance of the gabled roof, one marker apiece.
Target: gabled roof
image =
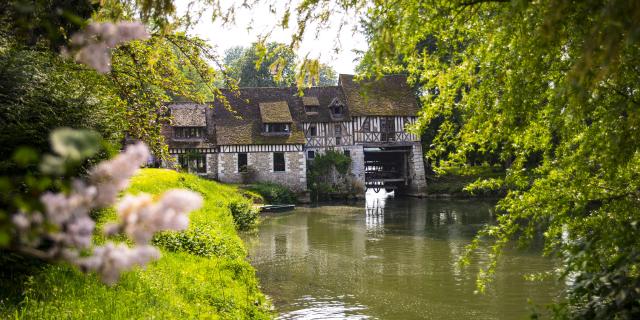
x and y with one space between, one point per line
387 96
245 125
325 96
275 112
188 115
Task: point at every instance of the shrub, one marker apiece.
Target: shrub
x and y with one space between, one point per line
245 215
273 193
329 173
199 241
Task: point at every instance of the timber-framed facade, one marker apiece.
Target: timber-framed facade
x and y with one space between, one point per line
270 134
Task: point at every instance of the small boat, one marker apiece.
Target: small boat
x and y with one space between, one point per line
277 207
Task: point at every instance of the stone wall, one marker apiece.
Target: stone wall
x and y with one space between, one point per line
261 169
212 166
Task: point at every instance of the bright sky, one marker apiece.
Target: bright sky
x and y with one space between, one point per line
261 21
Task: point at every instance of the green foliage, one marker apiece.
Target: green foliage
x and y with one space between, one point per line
202 272
245 215
271 65
203 242
324 163
329 173
273 193
145 74
466 181
552 88
41 92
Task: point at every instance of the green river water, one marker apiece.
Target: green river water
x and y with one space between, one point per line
391 258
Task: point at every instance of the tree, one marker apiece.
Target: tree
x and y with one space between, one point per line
327 76
145 74
553 88
273 65
260 65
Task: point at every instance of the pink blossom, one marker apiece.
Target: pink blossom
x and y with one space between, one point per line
112 176
141 217
93 44
112 259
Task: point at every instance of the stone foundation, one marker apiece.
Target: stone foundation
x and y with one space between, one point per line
417 177
261 169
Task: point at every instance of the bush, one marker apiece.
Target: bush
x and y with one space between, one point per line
245 215
329 173
273 193
197 241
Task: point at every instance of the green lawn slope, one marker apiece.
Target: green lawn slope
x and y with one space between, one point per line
180 285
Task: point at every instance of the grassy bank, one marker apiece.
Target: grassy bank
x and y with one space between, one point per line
452 181
210 280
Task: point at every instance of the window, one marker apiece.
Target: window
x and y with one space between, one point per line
242 162
193 162
366 127
337 110
278 161
277 128
311 154
311 109
338 141
338 130
188 132
313 131
347 153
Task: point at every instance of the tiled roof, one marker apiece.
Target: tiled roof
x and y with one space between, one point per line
251 107
325 96
275 112
188 115
388 96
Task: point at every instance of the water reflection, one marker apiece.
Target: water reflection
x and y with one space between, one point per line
389 258
374 212
311 308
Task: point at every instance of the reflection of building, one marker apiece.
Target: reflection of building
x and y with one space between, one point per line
269 134
374 217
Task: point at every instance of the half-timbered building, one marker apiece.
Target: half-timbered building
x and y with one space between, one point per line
269 134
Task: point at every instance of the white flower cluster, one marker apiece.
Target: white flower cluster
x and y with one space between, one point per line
93 44
67 229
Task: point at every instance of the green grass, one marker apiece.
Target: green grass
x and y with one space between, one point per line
452 180
178 286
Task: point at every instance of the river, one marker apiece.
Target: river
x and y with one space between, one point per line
391 258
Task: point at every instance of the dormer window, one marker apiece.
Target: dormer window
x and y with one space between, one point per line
276 118
277 128
337 108
311 105
188 132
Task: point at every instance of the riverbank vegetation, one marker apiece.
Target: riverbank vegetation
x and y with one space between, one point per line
202 272
272 193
